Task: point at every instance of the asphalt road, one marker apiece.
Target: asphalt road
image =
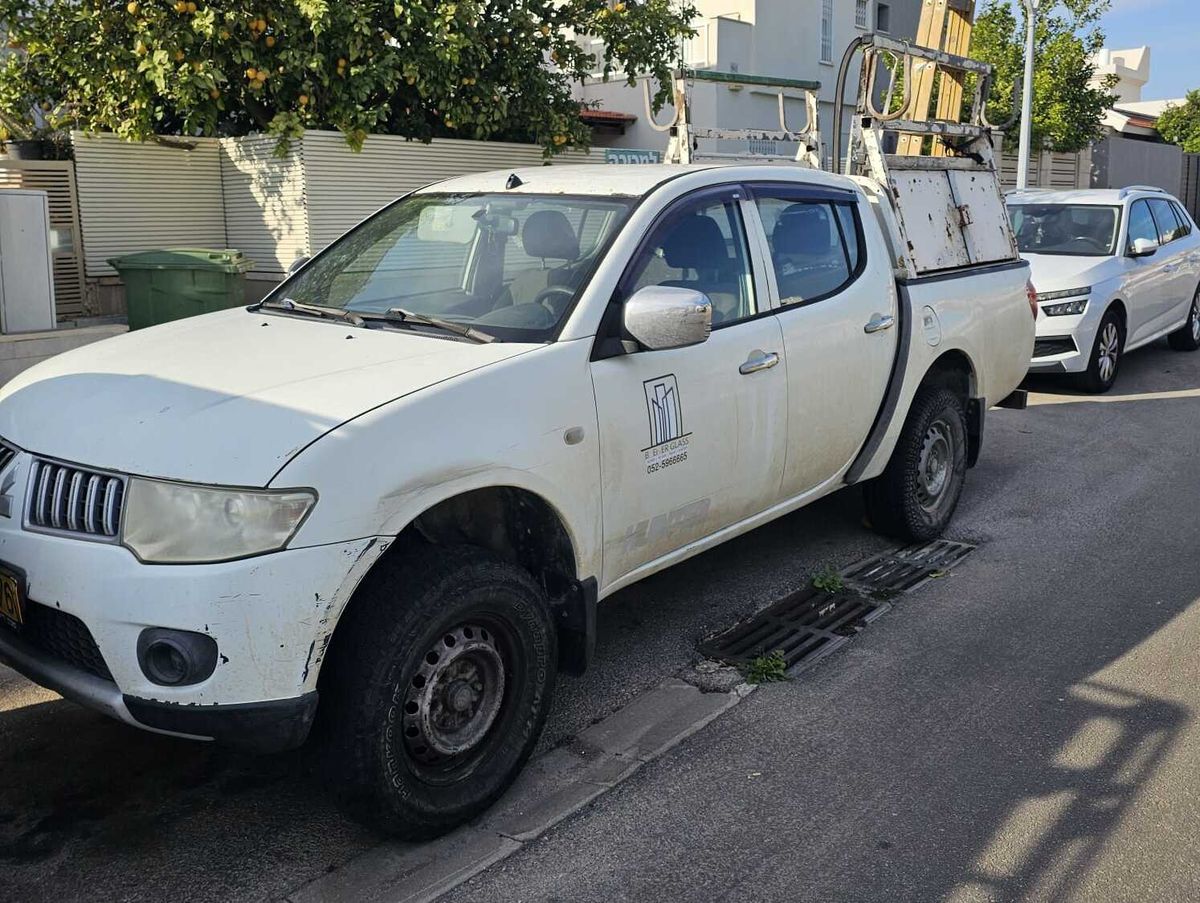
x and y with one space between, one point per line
1021 729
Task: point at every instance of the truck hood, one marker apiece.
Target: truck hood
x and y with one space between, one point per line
1056 273
224 398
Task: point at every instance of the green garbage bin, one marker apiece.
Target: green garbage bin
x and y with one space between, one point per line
174 283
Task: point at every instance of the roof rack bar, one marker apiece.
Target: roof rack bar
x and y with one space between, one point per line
1130 189
738 78
941 57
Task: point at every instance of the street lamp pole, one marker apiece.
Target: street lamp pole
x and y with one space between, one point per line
1031 8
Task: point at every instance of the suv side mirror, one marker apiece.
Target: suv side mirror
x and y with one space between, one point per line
1144 247
296 264
663 316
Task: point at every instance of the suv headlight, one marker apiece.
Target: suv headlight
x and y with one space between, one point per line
179 523
1069 308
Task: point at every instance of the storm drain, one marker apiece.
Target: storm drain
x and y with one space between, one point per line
810 624
906 569
804 627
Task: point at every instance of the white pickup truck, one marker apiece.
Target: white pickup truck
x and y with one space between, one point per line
389 497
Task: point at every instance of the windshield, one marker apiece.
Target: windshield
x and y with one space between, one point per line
1072 230
509 265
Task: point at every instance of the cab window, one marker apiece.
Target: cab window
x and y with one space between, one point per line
816 245
701 245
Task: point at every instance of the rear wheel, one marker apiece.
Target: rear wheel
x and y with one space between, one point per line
1107 351
438 690
916 495
1187 337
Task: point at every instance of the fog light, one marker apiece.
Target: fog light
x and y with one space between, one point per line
176 658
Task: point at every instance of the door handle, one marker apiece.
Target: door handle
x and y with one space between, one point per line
758 360
879 323
1169 268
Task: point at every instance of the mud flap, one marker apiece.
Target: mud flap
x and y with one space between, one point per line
575 619
976 415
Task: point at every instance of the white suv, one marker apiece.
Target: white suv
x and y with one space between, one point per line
1114 270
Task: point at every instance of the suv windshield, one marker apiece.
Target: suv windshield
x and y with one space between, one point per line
509 265
1074 230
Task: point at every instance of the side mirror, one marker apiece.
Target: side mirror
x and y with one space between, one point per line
1144 247
296 264
663 316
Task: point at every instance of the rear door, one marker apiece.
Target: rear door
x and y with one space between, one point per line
692 439
1178 287
837 309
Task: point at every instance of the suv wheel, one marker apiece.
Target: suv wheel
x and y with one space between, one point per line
915 497
1106 355
1187 337
439 685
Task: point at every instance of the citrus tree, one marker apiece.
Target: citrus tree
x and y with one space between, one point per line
481 69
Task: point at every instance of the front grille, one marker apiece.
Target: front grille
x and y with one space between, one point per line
62 497
7 453
1051 347
64 637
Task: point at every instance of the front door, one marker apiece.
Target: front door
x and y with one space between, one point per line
692 439
1146 281
837 309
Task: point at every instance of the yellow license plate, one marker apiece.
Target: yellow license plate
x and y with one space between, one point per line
11 607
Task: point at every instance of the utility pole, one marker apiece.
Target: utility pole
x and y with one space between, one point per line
1031 8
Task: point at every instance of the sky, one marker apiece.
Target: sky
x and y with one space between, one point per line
1172 30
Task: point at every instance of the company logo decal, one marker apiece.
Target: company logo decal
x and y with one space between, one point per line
668 442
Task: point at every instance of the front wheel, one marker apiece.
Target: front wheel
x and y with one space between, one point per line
1107 351
439 685
1187 337
916 495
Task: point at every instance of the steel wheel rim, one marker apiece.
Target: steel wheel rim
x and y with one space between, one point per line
935 465
1196 318
1109 349
455 697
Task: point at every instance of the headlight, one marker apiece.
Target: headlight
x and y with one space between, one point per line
1070 308
1069 293
178 523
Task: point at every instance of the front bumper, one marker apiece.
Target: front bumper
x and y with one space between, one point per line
271 617
262 727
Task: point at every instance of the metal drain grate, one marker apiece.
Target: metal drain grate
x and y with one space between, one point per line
903 570
805 627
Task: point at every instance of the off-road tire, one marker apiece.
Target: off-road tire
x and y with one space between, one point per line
1094 379
401 616
898 502
1187 337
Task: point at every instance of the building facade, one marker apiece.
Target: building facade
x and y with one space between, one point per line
793 39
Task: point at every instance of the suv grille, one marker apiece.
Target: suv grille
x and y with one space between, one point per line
63 636
75 500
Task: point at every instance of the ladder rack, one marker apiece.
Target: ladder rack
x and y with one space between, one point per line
684 147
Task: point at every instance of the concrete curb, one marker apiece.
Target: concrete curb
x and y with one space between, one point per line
549 790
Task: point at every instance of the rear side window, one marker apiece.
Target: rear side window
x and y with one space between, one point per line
1185 221
816 245
1141 224
1169 227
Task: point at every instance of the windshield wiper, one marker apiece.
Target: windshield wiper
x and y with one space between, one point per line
314 310
400 315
